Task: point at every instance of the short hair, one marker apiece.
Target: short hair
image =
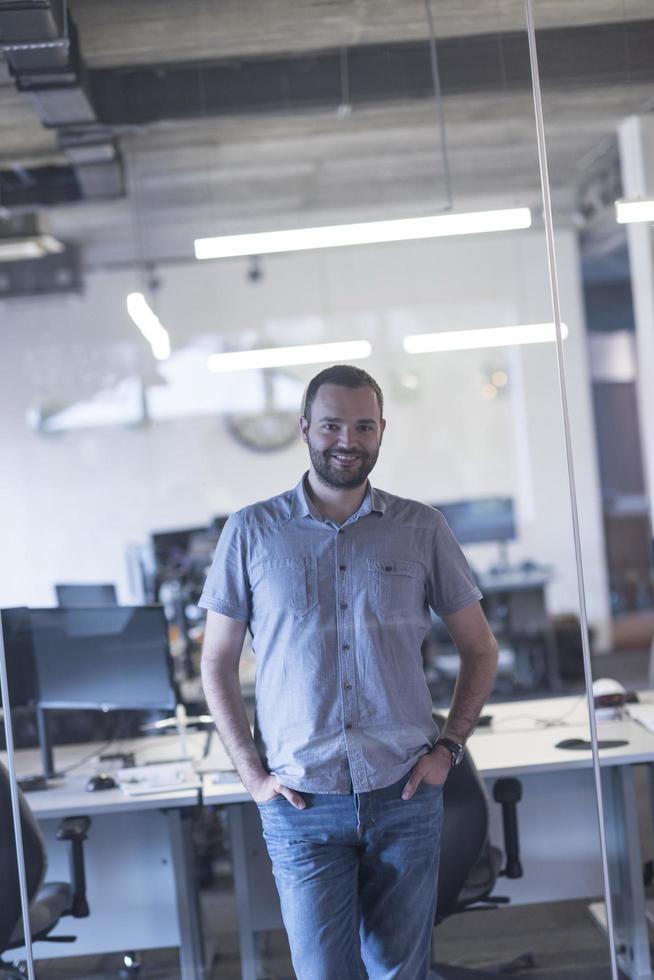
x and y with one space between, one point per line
345 375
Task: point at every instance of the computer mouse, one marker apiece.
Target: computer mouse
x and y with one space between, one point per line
582 743
102 781
573 743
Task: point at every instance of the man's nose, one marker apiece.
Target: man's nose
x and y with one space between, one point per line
347 438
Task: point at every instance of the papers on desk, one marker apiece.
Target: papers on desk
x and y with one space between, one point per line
162 777
643 713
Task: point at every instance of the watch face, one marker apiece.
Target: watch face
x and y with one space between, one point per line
456 750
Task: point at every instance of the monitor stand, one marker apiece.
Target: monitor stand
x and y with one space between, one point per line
503 562
45 744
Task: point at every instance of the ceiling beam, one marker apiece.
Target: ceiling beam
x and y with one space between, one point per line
369 74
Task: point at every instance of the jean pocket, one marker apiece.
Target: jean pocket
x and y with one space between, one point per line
291 583
395 590
273 799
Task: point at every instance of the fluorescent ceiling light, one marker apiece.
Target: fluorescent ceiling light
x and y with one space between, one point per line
148 323
627 212
32 247
528 333
365 233
248 360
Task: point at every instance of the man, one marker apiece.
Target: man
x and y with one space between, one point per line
334 580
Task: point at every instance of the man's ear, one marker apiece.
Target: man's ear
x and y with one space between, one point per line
382 426
304 427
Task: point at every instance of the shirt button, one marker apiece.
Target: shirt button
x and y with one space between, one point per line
341 531
348 687
342 567
348 727
388 568
344 605
346 646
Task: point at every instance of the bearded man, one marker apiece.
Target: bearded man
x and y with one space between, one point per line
334 580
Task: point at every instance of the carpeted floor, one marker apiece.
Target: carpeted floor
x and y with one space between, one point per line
562 938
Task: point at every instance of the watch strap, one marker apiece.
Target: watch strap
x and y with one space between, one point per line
456 749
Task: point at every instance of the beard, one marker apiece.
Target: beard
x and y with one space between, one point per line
330 475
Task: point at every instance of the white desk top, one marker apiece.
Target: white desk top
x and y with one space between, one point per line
69 795
521 739
516 743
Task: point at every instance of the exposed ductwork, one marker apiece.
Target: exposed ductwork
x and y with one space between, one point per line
39 41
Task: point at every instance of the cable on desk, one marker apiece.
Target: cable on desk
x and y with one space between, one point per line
538 721
119 724
80 762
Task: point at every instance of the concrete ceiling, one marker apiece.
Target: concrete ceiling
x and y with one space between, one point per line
241 167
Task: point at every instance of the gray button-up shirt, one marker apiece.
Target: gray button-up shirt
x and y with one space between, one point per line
338 615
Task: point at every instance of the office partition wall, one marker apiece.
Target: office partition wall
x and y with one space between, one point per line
601 80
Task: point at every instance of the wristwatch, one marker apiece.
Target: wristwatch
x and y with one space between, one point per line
456 749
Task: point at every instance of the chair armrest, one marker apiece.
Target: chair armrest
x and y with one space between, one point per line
74 830
508 793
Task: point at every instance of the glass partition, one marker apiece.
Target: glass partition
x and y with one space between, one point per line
597 91
130 436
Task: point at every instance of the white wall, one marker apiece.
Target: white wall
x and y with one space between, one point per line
71 503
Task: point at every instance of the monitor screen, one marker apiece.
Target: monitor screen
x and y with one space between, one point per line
109 658
79 596
19 655
477 521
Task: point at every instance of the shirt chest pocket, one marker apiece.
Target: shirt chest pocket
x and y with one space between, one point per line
290 583
395 590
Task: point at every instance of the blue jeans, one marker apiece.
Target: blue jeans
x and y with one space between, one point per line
357 877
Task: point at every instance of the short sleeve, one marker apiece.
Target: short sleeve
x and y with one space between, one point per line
451 584
227 588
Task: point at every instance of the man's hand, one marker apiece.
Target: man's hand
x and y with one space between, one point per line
433 768
270 787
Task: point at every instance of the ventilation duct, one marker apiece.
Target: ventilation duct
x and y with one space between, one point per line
39 40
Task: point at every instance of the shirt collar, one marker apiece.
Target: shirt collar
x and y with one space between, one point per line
301 505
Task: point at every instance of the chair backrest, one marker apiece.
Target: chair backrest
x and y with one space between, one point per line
35 858
465 832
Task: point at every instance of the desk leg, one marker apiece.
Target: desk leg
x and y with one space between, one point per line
626 871
191 958
242 888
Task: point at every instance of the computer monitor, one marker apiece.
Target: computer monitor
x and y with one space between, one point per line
19 657
108 658
481 520
81 596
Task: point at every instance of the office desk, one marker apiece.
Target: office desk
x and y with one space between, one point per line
139 861
558 821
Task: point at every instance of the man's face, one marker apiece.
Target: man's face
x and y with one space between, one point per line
344 435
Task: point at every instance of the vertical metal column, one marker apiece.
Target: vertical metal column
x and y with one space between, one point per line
583 617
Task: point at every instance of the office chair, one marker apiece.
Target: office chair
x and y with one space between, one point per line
48 901
469 864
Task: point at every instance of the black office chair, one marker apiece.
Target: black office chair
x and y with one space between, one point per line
469 864
48 901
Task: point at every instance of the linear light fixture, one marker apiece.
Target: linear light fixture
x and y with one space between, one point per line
248 360
364 233
31 247
148 323
448 340
627 212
